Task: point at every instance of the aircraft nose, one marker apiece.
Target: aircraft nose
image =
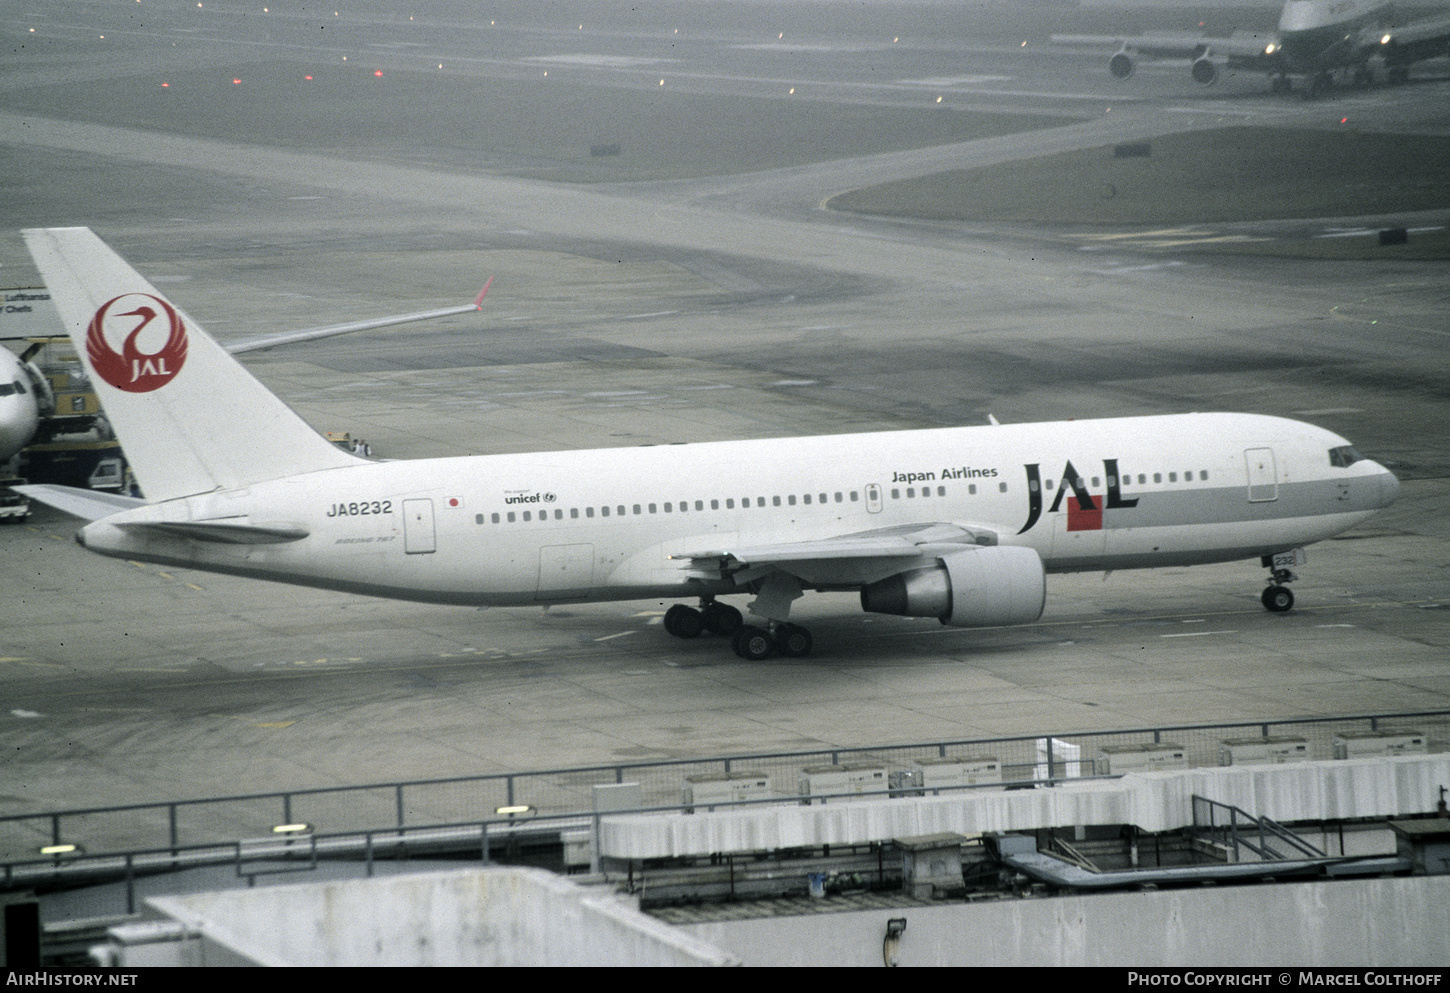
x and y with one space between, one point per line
17 424
1389 488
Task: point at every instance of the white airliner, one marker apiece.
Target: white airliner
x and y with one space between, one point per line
1316 38
961 524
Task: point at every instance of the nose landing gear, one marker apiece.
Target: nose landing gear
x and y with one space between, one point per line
1278 597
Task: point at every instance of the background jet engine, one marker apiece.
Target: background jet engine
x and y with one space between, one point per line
982 587
1204 71
1121 65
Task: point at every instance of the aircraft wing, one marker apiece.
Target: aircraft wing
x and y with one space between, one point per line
1157 45
850 559
1175 44
1430 32
1242 50
312 334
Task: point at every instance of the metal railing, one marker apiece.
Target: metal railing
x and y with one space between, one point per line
1233 829
565 792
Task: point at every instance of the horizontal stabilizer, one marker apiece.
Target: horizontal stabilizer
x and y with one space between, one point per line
223 532
90 505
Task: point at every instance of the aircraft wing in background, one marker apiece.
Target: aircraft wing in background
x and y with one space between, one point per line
312 334
1206 55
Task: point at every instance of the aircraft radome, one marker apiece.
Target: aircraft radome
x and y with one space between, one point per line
961 524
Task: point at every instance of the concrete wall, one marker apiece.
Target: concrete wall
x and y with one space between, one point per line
1154 801
1372 922
467 917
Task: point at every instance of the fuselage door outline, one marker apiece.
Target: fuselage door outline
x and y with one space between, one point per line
873 498
1263 475
419 537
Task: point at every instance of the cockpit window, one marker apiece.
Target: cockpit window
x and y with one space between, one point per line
6 389
19 386
1344 456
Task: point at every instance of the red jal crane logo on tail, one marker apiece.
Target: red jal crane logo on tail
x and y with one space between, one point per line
127 318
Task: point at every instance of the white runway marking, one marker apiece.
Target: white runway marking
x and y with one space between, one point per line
611 637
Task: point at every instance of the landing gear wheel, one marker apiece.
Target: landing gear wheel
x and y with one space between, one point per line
684 622
753 644
1278 599
793 641
721 618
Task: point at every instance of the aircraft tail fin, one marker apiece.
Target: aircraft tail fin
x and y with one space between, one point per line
190 418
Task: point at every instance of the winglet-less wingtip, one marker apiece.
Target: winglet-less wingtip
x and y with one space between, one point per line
478 300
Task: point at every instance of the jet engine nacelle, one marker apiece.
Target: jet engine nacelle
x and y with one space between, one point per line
981 587
1121 65
1204 71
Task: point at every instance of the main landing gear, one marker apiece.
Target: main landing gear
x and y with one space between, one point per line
716 618
1278 597
748 641
753 643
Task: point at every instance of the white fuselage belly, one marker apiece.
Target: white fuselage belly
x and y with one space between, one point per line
519 529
